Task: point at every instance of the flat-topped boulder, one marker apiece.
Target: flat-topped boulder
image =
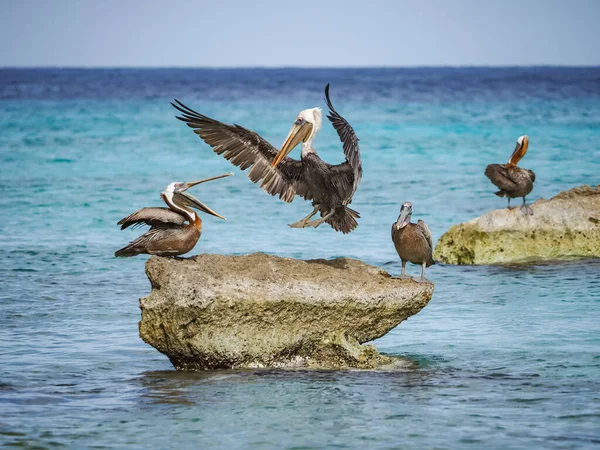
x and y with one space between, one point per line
258 310
566 226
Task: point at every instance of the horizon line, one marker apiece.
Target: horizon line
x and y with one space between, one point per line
433 66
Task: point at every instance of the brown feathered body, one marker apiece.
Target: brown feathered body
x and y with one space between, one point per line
329 187
513 182
168 235
413 243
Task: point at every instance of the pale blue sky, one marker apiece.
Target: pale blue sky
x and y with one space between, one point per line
298 33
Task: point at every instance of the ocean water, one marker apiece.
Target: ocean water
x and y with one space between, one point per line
506 357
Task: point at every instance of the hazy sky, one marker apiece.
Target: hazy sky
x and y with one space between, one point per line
221 33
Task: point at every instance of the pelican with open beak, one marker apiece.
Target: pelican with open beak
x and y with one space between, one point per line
169 235
185 199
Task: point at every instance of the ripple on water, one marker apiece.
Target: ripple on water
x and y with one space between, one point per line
503 356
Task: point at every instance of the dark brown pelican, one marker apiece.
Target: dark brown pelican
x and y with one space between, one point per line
329 187
512 180
412 241
169 235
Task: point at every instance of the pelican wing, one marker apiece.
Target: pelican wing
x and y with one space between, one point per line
246 149
426 232
500 176
343 176
152 217
162 232
348 138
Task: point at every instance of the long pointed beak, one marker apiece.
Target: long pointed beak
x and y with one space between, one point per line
298 133
194 183
192 201
404 217
519 152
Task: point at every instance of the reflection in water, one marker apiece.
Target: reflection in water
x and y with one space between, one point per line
171 386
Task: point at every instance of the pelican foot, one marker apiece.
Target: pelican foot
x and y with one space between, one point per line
403 277
315 223
299 224
318 222
423 280
510 208
525 209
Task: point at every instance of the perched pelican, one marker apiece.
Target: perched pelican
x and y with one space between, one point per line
412 241
329 187
512 180
169 235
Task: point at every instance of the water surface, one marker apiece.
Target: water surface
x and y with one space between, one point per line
506 356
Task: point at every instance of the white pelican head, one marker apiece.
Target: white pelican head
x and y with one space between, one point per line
175 196
520 150
306 126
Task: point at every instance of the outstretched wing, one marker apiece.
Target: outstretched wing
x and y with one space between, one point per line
152 217
246 149
426 231
348 138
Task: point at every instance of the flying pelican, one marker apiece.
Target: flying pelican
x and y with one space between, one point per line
412 241
329 187
169 235
512 180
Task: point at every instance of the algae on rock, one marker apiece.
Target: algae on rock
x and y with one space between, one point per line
566 226
213 311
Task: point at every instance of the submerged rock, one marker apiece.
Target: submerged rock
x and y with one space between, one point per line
566 226
213 311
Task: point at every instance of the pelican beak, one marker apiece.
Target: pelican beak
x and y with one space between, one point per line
520 150
194 183
192 201
298 133
404 217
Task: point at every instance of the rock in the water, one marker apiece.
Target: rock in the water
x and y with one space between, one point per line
214 311
566 226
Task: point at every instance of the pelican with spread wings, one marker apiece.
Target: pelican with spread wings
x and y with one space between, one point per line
330 187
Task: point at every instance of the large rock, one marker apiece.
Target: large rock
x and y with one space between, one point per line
566 226
214 311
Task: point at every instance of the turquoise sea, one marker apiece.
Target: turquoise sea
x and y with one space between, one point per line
504 356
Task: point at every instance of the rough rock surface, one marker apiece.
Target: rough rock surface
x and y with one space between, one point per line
213 311
566 226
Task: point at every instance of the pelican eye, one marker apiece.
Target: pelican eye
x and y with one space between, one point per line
299 121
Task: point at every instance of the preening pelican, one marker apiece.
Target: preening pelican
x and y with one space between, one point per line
169 235
329 187
512 180
413 241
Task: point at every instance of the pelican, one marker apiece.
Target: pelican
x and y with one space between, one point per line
329 187
512 180
169 235
412 241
